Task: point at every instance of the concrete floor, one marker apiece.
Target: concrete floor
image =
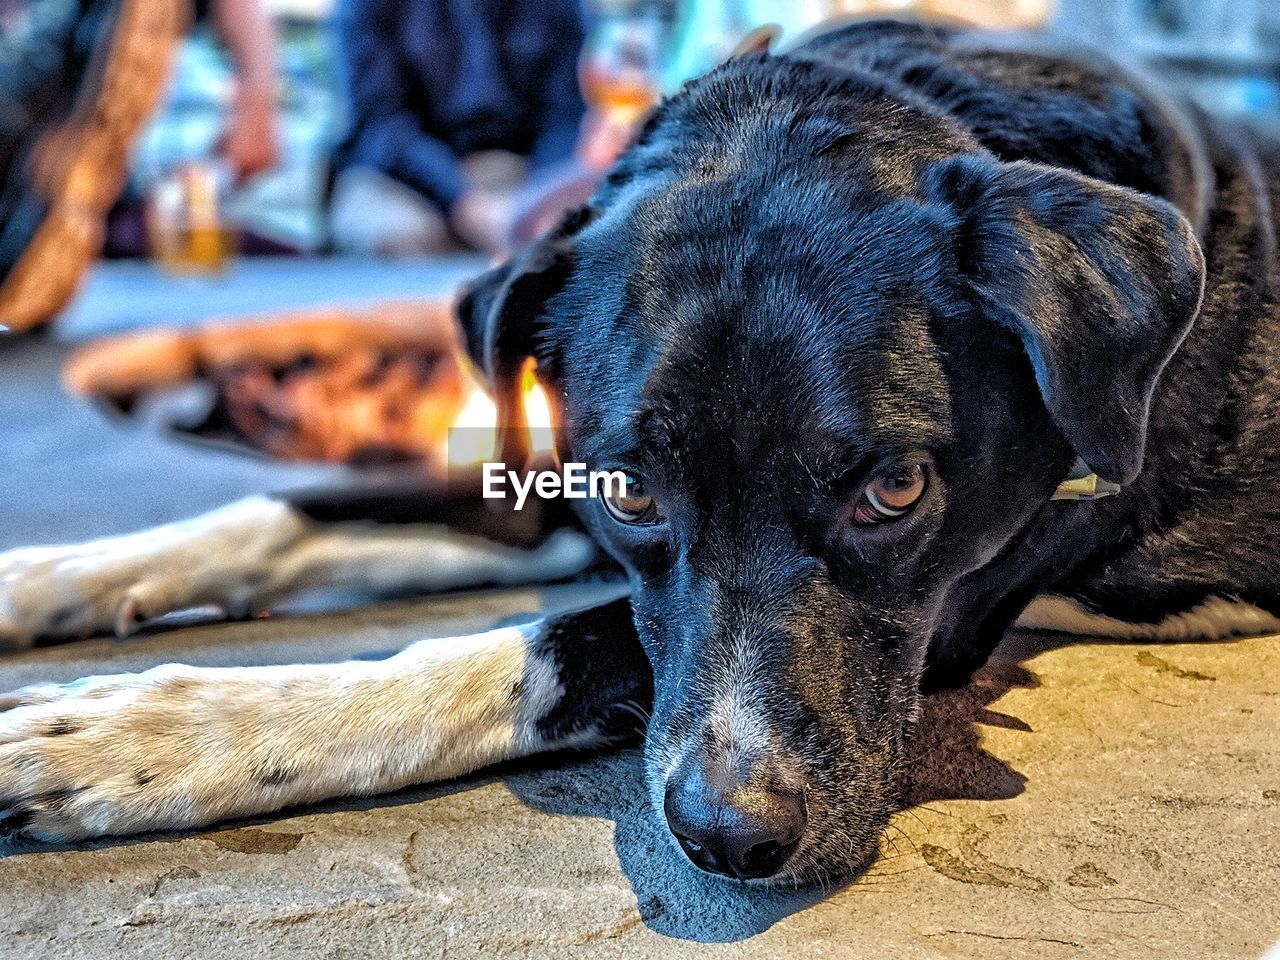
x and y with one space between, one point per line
1080 799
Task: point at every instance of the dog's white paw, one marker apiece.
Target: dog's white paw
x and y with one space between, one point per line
101 755
120 582
173 747
76 591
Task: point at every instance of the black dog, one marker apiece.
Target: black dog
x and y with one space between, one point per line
848 318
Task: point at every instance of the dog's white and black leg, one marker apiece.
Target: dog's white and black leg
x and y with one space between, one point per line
247 556
177 747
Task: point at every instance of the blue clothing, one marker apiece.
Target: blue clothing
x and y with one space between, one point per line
431 81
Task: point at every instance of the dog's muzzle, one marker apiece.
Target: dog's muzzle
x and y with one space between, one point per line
730 827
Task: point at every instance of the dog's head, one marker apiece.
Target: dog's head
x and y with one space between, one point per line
846 356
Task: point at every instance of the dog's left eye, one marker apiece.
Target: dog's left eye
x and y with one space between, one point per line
891 494
634 506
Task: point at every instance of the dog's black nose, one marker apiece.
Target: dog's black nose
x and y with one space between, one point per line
743 832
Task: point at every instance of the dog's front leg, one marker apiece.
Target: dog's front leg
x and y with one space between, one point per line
183 746
244 558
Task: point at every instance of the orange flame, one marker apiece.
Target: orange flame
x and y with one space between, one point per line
473 439
537 412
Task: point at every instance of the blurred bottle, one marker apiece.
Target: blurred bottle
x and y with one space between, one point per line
187 226
620 74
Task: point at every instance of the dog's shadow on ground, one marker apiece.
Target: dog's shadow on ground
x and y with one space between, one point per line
947 762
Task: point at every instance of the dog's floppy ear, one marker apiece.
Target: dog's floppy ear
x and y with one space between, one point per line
501 314
1100 282
757 41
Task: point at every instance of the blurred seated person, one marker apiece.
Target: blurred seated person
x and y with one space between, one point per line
454 105
78 80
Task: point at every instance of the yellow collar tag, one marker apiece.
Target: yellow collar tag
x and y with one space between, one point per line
1083 484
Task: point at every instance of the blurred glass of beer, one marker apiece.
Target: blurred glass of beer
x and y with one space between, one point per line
619 75
187 229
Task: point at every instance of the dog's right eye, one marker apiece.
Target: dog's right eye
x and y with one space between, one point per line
891 495
633 505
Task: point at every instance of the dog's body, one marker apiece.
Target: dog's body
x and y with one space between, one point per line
898 259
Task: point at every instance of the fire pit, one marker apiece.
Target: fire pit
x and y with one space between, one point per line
371 386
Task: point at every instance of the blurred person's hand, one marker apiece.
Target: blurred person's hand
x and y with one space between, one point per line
251 143
495 170
484 218
603 140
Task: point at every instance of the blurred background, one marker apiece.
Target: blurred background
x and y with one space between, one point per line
1225 52
307 165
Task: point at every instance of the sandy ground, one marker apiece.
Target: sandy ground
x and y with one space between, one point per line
1080 799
